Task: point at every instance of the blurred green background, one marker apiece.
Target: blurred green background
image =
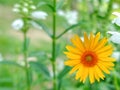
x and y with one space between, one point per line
95 15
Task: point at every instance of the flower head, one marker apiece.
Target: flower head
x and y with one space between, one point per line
117 19
115 38
90 58
39 15
70 16
18 24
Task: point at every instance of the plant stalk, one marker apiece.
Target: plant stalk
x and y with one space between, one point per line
54 48
25 60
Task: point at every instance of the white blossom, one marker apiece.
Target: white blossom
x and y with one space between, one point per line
115 6
72 17
25 10
18 24
117 19
115 38
61 13
39 14
26 4
33 7
116 55
16 10
16 5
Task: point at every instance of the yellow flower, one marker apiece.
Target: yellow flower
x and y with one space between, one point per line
90 58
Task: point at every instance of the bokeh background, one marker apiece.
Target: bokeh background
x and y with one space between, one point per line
94 16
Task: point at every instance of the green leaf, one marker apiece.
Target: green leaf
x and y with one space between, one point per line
10 63
44 27
41 56
60 4
63 72
47 4
59 84
40 67
69 28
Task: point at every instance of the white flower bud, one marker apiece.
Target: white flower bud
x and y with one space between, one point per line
18 24
115 38
26 4
72 17
16 5
25 10
116 20
39 15
116 55
33 7
61 13
16 10
116 14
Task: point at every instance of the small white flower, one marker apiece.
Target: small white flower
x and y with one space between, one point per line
39 15
18 24
115 6
116 14
61 13
16 10
25 10
115 38
33 7
16 5
72 17
26 4
116 20
116 55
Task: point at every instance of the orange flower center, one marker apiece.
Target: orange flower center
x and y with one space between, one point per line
89 59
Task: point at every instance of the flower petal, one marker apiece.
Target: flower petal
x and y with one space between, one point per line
103 68
72 55
72 62
78 43
73 50
96 39
74 69
91 75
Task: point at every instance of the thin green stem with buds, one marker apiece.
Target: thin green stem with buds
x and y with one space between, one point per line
25 60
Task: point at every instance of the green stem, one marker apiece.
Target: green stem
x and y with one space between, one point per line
25 60
54 48
116 83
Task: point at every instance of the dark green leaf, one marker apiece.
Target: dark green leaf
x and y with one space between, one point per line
41 67
40 55
59 84
47 4
64 72
10 63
